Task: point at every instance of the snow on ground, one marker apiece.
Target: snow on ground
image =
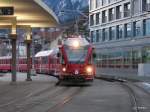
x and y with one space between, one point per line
146 85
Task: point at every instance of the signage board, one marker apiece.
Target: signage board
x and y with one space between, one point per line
6 11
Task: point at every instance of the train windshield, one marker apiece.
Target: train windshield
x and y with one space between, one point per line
76 56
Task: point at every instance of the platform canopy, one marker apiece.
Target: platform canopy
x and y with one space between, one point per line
31 12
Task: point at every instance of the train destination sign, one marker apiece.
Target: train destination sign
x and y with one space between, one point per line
6 11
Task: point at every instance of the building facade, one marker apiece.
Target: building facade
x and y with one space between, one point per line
120 32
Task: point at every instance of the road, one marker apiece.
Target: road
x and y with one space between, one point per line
44 96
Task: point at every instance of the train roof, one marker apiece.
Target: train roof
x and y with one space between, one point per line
9 57
46 53
82 41
5 57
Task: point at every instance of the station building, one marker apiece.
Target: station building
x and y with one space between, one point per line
120 32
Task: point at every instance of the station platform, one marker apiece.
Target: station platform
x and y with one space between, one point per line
125 74
121 73
21 77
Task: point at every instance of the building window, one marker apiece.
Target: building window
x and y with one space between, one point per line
136 6
93 36
104 2
137 28
91 20
97 35
104 16
100 35
119 31
105 34
111 14
98 3
128 30
147 27
111 1
146 5
127 10
92 5
98 18
118 12
112 33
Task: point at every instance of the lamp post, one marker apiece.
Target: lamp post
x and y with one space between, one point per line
28 42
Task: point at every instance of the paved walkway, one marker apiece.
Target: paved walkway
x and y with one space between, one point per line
144 82
123 73
6 77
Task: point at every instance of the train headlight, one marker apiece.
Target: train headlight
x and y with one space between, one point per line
76 44
89 69
63 69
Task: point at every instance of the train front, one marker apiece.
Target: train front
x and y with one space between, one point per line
77 60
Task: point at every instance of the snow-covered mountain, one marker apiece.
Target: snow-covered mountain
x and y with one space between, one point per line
64 9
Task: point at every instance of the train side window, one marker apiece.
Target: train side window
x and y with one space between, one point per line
36 61
51 60
45 60
25 61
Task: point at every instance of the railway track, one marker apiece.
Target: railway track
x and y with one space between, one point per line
133 97
131 88
43 97
21 97
65 100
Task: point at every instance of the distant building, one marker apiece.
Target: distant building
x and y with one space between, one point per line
120 32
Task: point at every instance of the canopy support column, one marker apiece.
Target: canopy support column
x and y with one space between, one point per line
13 37
28 42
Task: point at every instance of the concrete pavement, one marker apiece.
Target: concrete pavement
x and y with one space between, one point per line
41 95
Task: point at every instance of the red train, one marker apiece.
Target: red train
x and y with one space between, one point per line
5 64
45 62
73 61
76 58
